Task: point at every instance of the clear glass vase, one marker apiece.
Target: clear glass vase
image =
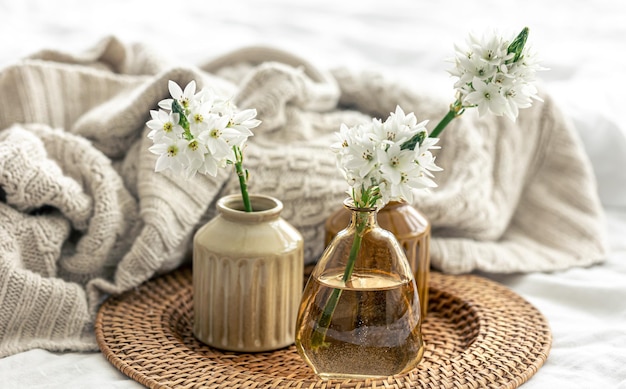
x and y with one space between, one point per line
410 227
360 313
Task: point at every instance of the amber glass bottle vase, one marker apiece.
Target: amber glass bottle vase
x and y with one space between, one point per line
360 313
410 227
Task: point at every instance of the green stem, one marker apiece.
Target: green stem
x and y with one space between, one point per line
443 123
319 334
354 252
243 178
456 109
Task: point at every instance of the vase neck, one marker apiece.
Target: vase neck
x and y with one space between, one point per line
362 218
266 209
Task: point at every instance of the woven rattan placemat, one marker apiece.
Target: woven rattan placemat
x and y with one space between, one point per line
478 334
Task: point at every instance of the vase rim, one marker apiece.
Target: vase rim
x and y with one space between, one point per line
264 208
349 203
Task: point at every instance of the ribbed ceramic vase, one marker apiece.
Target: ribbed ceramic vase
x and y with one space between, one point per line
247 277
360 314
412 230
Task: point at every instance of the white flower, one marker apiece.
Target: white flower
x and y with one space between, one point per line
493 79
394 161
398 127
343 140
171 155
470 68
491 49
396 164
487 97
199 134
385 161
426 160
185 97
239 126
425 157
213 137
163 124
245 120
361 156
195 153
199 118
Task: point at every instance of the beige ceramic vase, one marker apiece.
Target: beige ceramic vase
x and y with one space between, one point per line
247 277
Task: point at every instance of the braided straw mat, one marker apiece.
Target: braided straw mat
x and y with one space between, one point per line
478 334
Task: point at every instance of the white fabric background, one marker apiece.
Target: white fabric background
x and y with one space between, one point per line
582 42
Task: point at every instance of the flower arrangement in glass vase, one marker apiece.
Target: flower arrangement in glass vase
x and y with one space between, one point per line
247 245
360 311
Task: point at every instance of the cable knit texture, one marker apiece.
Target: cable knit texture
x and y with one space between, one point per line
83 215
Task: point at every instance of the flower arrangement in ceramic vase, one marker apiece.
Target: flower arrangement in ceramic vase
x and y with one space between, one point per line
362 294
200 133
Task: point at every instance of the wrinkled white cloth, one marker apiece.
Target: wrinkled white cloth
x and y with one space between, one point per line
83 214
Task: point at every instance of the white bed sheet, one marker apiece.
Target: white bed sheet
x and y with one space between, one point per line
582 42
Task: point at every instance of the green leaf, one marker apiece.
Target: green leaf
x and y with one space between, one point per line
415 141
182 117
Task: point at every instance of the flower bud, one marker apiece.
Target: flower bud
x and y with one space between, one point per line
517 46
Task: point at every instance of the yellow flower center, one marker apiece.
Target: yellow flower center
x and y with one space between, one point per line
167 127
215 133
193 145
172 150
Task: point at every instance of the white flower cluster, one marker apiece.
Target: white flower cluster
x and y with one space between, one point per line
198 132
494 77
385 161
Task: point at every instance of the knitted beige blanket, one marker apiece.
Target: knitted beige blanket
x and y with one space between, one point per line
83 215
